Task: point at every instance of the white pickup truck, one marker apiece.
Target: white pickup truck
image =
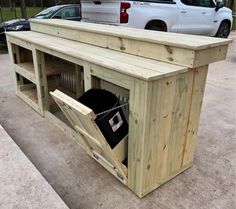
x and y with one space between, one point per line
198 17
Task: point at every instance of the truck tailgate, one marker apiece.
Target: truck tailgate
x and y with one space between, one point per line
102 11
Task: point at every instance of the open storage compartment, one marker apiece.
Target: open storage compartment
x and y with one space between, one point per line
64 76
83 121
27 91
23 58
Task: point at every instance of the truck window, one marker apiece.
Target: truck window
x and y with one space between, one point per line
67 12
199 3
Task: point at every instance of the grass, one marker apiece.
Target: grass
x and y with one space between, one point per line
9 15
234 23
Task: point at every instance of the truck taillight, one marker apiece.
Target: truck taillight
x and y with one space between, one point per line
124 16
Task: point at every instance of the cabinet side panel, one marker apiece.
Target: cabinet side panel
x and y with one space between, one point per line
172 112
200 76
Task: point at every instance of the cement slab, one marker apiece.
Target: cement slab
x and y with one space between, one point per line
21 184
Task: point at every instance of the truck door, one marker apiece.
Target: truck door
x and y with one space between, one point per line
101 11
196 17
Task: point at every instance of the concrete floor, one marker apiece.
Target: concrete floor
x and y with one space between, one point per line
83 184
21 184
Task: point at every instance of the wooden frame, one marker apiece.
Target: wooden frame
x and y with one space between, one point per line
164 99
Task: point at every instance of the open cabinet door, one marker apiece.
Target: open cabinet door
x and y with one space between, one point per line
82 119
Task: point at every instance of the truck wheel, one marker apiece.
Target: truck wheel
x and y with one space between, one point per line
223 31
156 25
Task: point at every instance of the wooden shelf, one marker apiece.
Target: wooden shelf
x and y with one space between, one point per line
29 66
26 69
31 94
55 67
52 67
28 93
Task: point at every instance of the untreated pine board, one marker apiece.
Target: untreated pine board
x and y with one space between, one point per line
169 47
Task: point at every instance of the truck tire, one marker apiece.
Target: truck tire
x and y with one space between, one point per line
156 25
224 30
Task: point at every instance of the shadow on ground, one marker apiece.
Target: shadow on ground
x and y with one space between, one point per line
3 49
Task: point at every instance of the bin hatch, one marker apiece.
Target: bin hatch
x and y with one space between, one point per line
82 119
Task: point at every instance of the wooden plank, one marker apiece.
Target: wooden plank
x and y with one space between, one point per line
127 64
181 108
17 60
43 81
89 80
200 75
38 76
206 56
158 120
138 96
168 47
173 39
106 74
26 71
20 42
11 50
